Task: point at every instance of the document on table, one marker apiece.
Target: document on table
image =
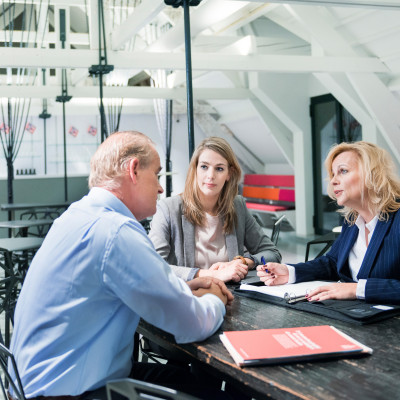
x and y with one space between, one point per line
293 290
274 346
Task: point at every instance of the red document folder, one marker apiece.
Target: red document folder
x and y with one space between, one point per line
274 346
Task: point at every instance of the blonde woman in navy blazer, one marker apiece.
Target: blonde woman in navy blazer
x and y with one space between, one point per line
211 187
366 255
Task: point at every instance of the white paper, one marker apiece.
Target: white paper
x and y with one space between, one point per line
294 289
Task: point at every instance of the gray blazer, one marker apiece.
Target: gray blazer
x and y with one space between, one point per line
174 239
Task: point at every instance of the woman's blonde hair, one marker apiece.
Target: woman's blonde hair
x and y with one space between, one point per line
381 187
192 207
110 161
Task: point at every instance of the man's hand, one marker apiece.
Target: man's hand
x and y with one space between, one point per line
200 283
273 273
201 286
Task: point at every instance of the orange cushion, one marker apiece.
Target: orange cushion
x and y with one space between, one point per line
261 193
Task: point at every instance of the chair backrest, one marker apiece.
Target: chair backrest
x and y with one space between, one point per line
133 389
6 380
276 229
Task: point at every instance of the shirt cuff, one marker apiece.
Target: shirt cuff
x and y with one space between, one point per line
248 255
292 274
192 273
360 292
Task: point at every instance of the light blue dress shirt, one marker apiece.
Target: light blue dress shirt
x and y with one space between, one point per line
94 277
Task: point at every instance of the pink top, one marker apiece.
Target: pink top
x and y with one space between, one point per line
210 243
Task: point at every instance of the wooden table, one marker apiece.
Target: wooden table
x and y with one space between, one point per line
24 224
366 377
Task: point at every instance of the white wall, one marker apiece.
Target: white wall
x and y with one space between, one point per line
81 148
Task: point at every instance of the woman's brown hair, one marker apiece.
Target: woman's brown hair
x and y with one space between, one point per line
192 207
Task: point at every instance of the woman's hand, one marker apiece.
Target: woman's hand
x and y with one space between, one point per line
227 271
338 291
273 273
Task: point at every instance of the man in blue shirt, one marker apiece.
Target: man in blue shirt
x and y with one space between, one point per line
96 275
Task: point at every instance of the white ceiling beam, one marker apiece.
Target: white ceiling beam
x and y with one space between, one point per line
143 14
93 25
228 118
242 17
77 108
211 127
277 129
58 58
80 3
394 84
385 4
126 92
81 39
201 17
381 104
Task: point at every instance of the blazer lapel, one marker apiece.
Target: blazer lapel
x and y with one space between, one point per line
373 247
231 245
189 244
348 242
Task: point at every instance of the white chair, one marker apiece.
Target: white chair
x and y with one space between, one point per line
132 389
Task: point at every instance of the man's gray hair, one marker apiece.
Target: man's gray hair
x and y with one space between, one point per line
110 161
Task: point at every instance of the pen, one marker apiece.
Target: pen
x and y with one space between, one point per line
263 261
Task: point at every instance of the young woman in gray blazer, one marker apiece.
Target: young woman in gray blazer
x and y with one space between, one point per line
207 230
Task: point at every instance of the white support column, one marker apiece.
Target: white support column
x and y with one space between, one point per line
289 123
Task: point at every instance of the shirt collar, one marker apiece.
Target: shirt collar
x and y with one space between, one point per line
360 222
105 198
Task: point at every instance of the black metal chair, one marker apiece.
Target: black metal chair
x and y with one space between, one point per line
276 229
15 257
132 389
46 213
6 357
327 240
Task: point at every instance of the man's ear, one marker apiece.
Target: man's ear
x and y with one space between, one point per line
133 169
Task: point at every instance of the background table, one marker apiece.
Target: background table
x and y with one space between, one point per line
366 377
24 224
12 207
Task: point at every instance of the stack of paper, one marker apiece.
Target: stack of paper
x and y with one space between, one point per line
294 289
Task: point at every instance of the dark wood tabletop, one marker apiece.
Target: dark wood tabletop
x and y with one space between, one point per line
363 377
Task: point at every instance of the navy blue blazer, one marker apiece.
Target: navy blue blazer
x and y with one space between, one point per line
380 267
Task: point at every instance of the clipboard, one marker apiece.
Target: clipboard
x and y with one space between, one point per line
353 311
